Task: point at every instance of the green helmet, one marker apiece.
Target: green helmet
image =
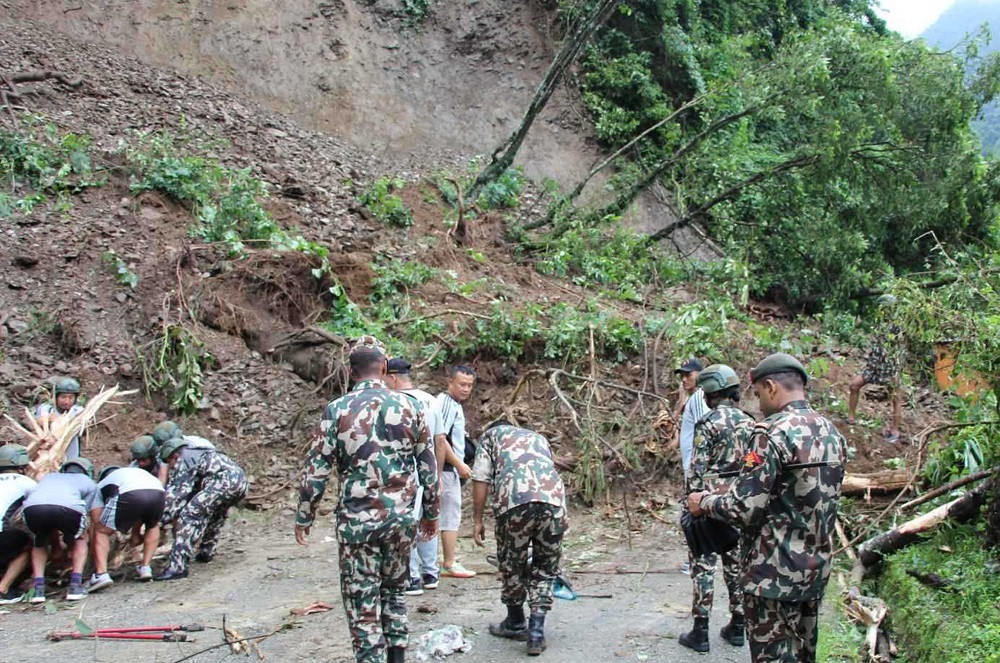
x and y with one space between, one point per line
106 471
14 455
779 362
717 377
171 446
82 463
67 386
166 430
144 447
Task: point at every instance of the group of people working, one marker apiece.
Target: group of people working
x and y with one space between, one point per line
777 481
172 480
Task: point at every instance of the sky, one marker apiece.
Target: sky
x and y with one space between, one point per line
911 17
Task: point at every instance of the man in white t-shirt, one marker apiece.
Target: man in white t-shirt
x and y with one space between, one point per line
15 542
453 466
424 570
694 409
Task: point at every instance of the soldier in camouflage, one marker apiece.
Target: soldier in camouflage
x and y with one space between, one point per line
374 437
203 485
883 367
785 500
721 438
529 504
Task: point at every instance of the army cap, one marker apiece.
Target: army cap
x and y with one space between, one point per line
82 463
144 447
398 366
717 377
368 344
14 455
779 362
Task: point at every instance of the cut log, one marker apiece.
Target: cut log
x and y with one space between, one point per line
875 549
886 481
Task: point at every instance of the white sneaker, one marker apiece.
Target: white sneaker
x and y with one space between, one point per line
99 582
145 572
37 594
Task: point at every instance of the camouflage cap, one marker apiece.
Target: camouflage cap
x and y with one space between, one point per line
370 344
717 377
779 362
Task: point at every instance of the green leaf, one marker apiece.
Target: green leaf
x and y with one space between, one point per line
51 608
82 627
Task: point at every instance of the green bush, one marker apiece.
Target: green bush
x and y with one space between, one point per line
939 625
504 192
380 199
120 269
614 259
226 202
39 163
396 276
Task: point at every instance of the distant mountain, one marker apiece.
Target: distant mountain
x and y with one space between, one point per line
962 18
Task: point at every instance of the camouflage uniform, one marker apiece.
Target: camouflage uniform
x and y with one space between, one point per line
720 440
374 437
202 487
788 517
529 503
885 358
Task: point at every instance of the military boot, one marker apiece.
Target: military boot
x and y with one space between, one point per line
513 627
733 632
536 633
697 639
394 654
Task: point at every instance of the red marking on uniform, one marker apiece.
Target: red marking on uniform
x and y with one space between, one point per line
752 459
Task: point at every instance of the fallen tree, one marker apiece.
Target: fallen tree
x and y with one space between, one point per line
874 550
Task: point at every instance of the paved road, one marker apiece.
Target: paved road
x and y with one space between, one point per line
263 574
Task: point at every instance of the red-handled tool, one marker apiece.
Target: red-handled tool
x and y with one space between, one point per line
171 636
151 629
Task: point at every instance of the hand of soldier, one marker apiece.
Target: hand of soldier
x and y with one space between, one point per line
300 535
479 534
694 503
463 471
428 529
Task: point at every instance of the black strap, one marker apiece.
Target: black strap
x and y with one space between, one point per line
793 466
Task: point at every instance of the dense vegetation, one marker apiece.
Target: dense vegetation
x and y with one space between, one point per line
820 150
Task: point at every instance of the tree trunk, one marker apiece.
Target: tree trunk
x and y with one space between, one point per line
964 508
499 163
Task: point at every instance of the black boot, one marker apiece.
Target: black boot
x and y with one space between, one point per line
394 655
536 633
697 639
733 632
513 627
